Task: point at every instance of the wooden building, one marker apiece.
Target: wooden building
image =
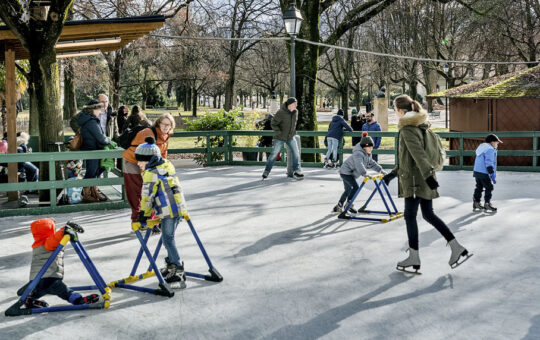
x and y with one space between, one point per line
509 102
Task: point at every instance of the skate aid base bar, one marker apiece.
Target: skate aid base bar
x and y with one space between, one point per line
104 303
153 270
384 193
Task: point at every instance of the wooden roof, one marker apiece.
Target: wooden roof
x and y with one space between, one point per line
127 29
520 84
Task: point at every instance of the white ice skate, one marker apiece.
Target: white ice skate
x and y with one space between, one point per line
458 251
412 261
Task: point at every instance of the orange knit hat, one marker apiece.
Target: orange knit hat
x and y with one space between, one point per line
42 229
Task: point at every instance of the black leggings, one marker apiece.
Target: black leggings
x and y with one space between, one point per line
52 286
411 210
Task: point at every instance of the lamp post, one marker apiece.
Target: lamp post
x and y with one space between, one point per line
446 68
293 20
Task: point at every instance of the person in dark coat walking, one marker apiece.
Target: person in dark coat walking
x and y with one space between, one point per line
284 126
417 181
335 133
265 141
372 125
123 113
357 121
93 138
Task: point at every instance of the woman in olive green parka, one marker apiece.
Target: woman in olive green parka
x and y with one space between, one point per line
417 181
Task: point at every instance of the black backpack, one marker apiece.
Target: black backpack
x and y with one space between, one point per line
124 140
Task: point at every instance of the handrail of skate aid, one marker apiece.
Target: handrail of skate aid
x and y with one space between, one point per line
228 147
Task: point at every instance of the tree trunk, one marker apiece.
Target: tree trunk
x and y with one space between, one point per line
194 94
144 94
230 96
187 99
33 111
115 79
345 102
47 92
70 100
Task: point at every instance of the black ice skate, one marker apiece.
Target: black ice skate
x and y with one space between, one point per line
412 261
459 254
176 277
298 175
265 174
477 206
488 207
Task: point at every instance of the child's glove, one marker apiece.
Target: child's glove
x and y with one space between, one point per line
142 219
77 228
113 144
492 175
388 177
432 183
71 232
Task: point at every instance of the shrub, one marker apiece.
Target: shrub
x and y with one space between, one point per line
212 121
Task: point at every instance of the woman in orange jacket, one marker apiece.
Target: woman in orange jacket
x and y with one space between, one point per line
161 130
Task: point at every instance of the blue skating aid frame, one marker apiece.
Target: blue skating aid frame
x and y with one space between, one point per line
379 183
16 310
153 269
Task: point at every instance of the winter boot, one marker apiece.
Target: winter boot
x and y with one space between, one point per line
489 207
88 195
477 206
34 303
351 209
338 208
265 174
176 276
97 193
457 252
413 260
168 267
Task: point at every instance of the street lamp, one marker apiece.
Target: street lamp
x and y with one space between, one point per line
293 20
446 68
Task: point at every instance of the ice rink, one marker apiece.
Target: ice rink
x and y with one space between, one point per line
292 270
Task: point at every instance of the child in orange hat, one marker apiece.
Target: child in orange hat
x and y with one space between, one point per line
46 239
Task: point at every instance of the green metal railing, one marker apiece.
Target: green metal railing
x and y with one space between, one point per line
227 148
53 184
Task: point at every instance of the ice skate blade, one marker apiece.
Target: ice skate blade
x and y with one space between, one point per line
405 270
458 263
177 285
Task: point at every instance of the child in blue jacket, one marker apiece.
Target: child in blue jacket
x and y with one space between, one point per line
485 172
335 133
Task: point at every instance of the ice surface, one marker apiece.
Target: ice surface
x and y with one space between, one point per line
292 270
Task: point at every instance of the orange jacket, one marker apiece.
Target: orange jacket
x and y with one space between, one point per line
162 142
44 234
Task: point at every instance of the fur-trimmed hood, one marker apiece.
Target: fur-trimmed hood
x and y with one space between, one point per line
413 118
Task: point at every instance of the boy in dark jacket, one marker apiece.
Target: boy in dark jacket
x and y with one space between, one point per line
335 133
372 125
485 172
355 166
46 239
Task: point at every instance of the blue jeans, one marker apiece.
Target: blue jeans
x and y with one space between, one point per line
93 168
350 185
278 145
332 148
32 172
168 228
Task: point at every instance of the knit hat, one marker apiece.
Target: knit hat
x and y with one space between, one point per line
290 101
3 146
492 138
366 140
340 112
41 229
94 105
354 112
145 151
